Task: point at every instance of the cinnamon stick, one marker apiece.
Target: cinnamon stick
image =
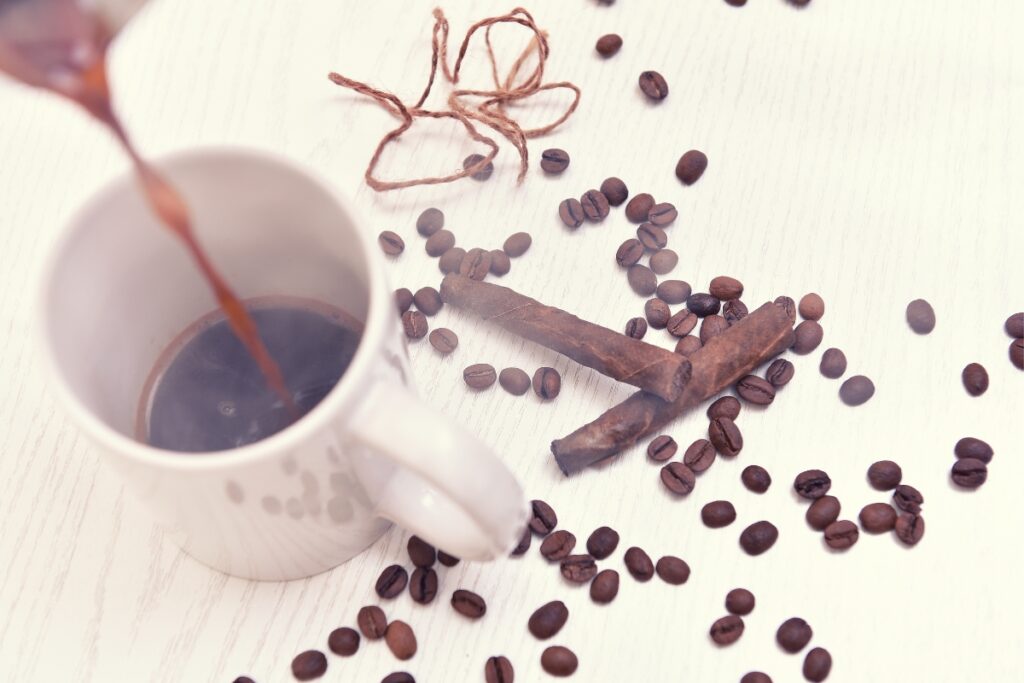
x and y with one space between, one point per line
724 359
653 369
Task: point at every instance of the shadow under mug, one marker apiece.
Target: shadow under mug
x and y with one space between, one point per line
119 287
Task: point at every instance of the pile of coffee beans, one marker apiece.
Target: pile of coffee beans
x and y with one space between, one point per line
904 515
1014 327
970 469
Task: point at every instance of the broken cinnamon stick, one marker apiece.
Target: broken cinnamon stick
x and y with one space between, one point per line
764 333
653 369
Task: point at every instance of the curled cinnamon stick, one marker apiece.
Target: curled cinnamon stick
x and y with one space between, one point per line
629 360
736 352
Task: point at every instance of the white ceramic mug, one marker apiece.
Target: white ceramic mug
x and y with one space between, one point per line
119 287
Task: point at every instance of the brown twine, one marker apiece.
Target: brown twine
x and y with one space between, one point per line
491 107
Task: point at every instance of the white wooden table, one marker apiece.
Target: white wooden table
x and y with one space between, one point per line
869 150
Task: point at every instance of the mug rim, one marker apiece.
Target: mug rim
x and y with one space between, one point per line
289 438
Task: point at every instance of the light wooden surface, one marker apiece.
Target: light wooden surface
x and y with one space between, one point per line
869 150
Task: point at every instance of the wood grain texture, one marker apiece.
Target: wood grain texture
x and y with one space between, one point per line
870 151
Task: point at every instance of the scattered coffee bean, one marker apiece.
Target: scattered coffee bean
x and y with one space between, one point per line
857 390
811 307
823 512
841 535
736 3
483 173
907 498
756 478
673 291
451 260
833 363
514 381
642 279
657 313
309 665
517 244
662 214
468 604
877 518
558 545
812 484
608 45
755 676
910 528
403 299
726 288
718 514
672 570
701 304
726 406
759 537
547 383
415 324
678 478
711 327
420 552
793 635
629 252
653 85
808 335
476 264
605 586
548 619
755 390
699 456
450 560
428 300
739 601
970 447
602 542
682 323
429 222
691 166
734 311
639 564
1016 352
920 316
398 677
636 328
662 448
543 519
788 305
401 640
595 205
615 191
554 160
444 340
651 236
372 622
440 242
884 475
727 630
975 379
571 212
391 581
818 662
343 641
664 261
726 436
500 263
578 568
523 545
1014 325
479 376
423 585
688 344
779 372
498 670
391 243
559 661
969 473
638 207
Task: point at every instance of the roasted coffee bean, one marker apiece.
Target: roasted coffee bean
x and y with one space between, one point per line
636 328
664 261
391 581
554 160
877 518
833 363
662 448
543 519
391 243
1016 352
673 291
398 677
428 300
793 635
451 260
1014 325
479 376
602 542
788 305
701 304
372 622
975 379
823 512
450 560
884 475
430 221
857 390
608 45
468 604
662 214
595 205
969 447
727 630
691 166
605 586
498 670
629 252
514 381
734 311
401 640
639 564
403 299
726 288
718 514
444 340
548 619
726 436
615 191
672 570
812 307
920 316
559 661
755 676
578 568
440 242
739 601
682 323
688 345
969 473
818 662
523 545
678 478
753 389
910 528
653 85
907 498
642 279
756 478
571 212
657 313
558 545
736 3
517 244
651 236
309 665
841 535
420 552
475 264
415 324
726 406
758 537
808 335
699 456
343 641
779 372
423 585
547 383
711 327
812 484
481 174
500 263
638 207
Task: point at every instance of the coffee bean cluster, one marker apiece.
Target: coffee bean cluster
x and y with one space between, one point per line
970 469
546 382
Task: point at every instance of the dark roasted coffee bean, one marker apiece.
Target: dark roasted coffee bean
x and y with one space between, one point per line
736 3
691 166
602 542
833 363
779 372
726 630
969 447
420 552
877 518
444 340
639 564
688 345
1016 352
756 478
726 436
554 160
672 570
451 260
651 236
808 335
309 665
401 640
734 311
558 545
841 535
718 514
682 323
811 307
423 585
517 244
440 242
657 313
753 389
739 601
595 205
910 528
343 641
758 537
500 263
514 381
571 212
450 560
1014 325
662 214
559 661
975 379
726 288
608 45
468 604
415 324
428 300
629 252
636 328
578 568
403 300
884 475
726 406
711 327
398 677
703 304
391 243
907 498
793 635
678 478
969 473
638 207
857 390
392 581
662 448
429 222
823 512
498 670
543 519
615 191
642 279
755 676
479 376
605 586
653 85
548 619
523 545
475 264
673 291
920 316
473 160
818 662
812 484
372 622
788 305
547 383
699 456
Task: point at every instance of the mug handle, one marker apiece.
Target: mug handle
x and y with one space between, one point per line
449 488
